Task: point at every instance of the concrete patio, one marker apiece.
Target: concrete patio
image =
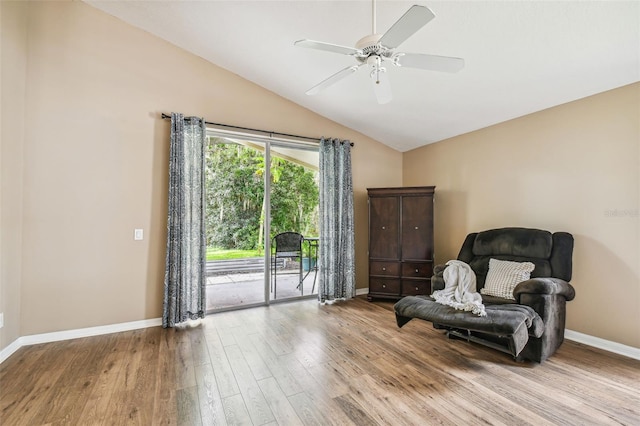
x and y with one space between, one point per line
240 289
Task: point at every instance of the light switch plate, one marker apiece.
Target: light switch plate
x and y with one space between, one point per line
138 234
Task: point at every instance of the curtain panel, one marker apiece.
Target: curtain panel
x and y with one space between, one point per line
336 260
185 278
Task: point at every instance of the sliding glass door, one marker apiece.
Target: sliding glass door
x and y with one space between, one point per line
294 197
248 204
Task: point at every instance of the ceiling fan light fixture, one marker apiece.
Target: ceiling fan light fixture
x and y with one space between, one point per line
375 63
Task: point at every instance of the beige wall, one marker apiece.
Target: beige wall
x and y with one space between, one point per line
571 168
95 162
13 61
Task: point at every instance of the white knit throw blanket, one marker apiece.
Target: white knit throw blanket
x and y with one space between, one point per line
460 289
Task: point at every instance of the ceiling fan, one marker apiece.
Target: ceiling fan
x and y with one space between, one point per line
375 49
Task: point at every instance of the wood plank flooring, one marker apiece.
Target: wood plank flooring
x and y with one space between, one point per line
305 364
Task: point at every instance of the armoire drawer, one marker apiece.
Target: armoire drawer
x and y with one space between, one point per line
384 286
417 269
416 287
384 268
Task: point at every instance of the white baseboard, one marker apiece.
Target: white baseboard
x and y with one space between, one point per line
9 350
35 339
361 291
607 345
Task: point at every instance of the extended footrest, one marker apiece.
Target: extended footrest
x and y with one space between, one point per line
510 321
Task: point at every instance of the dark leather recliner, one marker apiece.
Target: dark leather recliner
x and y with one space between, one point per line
546 293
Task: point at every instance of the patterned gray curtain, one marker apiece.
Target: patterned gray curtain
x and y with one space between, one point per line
184 278
336 260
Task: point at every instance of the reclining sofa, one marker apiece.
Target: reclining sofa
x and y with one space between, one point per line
531 325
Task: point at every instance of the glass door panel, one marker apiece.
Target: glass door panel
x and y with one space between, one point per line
235 224
294 197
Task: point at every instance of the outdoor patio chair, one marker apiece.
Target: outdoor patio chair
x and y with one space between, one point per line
285 246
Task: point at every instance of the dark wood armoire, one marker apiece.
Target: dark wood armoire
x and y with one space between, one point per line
400 241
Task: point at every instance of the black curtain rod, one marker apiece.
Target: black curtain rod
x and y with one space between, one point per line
167 116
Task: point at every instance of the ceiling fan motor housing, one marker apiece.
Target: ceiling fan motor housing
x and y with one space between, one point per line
371 46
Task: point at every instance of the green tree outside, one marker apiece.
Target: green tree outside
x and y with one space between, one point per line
235 194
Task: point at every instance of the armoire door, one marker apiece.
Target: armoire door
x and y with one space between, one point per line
417 228
384 219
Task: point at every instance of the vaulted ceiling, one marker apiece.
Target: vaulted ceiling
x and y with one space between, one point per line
520 56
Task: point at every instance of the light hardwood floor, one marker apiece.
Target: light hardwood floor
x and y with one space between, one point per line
302 363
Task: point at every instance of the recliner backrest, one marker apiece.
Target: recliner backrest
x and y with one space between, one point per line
550 253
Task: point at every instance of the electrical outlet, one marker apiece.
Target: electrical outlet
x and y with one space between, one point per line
1 320
138 234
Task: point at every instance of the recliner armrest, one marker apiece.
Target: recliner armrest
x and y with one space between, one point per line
439 269
437 281
545 286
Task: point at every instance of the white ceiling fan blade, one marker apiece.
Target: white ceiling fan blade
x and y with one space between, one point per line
413 19
328 47
430 62
332 80
381 87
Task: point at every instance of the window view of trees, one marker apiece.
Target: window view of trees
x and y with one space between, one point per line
235 194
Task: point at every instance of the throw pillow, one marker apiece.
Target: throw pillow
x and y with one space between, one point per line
503 276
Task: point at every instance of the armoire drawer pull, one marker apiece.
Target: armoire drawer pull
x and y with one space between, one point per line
417 271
